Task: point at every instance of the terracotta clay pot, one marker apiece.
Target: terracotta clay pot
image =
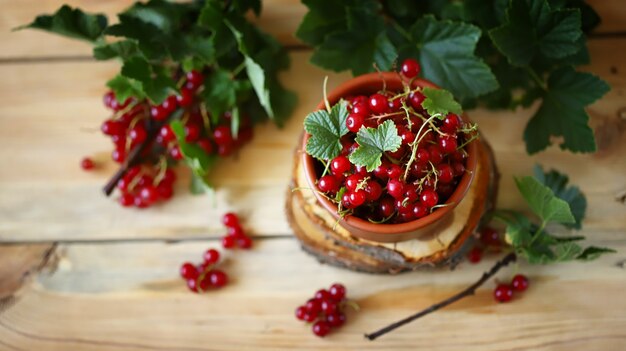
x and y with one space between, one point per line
368 84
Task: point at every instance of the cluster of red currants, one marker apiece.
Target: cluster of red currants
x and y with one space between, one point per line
204 276
489 240
504 292
235 236
411 181
325 310
134 121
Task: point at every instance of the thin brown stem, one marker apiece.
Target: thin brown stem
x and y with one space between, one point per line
470 290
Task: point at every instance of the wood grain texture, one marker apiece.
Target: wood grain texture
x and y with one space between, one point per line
279 18
137 302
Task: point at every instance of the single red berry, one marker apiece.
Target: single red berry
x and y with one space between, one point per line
185 98
340 165
149 194
328 306
475 255
313 306
378 104
310 317
211 256
127 200
165 190
519 282
175 153
301 313
434 154
218 278
206 145
167 134
327 184
111 127
244 241
458 168
192 132
407 136
222 135
336 320
503 293
188 271
230 219
345 201
490 237
357 197
386 207
337 292
228 242
168 177
195 77
361 108
158 113
395 188
137 134
118 155
352 181
373 190
415 99
192 284
419 211
422 156
321 328
322 294
139 202
395 104
354 122
225 150
429 198
394 171
410 68
451 124
447 144
445 173
109 99
87 164
170 104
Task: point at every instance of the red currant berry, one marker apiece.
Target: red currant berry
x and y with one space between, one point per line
322 294
340 165
410 68
188 271
445 173
192 284
345 201
357 198
118 155
192 133
206 145
447 144
158 113
109 99
415 99
458 168
503 293
301 312
395 104
111 127
386 207
519 282
137 134
195 77
228 242
378 104
373 190
225 150
222 135
490 237
230 219
218 278
235 231
87 164
434 154
429 198
475 255
361 108
327 184
211 256
175 153
314 306
422 156
419 211
321 328
185 98
168 177
394 171
167 134
328 306
149 194
170 104
165 190
337 292
354 122
450 124
336 320
352 181
381 171
127 200
244 241
395 188
410 193
310 317
407 136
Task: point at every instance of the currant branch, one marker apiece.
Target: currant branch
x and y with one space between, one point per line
470 290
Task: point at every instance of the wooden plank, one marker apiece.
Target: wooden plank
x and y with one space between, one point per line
137 302
49 116
280 18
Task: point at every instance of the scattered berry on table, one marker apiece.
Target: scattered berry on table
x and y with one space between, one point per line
87 164
235 235
519 282
326 309
205 276
475 255
503 293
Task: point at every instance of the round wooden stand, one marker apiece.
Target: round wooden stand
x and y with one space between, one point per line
330 243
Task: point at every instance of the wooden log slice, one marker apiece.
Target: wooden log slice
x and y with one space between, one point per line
330 243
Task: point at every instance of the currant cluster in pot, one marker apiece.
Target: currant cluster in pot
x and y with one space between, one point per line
411 181
204 276
132 121
325 309
235 235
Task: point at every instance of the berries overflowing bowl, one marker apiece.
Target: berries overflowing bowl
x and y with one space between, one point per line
389 155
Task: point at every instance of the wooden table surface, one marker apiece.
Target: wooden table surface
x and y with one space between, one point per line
77 272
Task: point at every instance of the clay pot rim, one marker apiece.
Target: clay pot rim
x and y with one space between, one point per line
393 81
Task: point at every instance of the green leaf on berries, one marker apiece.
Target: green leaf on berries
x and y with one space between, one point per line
195 157
534 29
562 112
125 88
543 202
373 143
557 182
222 96
363 44
156 85
72 23
440 102
123 49
326 129
446 52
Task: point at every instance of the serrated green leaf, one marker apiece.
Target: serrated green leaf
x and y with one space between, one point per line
70 22
165 15
543 202
373 142
557 182
326 130
440 102
198 161
519 229
593 252
155 85
125 88
362 45
562 112
222 96
446 52
533 29
123 49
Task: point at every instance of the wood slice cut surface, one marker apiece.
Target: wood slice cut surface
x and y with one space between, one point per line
321 236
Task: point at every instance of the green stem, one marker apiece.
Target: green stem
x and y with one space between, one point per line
538 80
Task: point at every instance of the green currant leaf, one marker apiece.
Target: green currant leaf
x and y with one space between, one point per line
441 102
446 52
198 161
557 182
373 142
123 49
543 202
72 23
534 29
363 44
593 252
326 129
562 112
157 86
222 96
125 88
